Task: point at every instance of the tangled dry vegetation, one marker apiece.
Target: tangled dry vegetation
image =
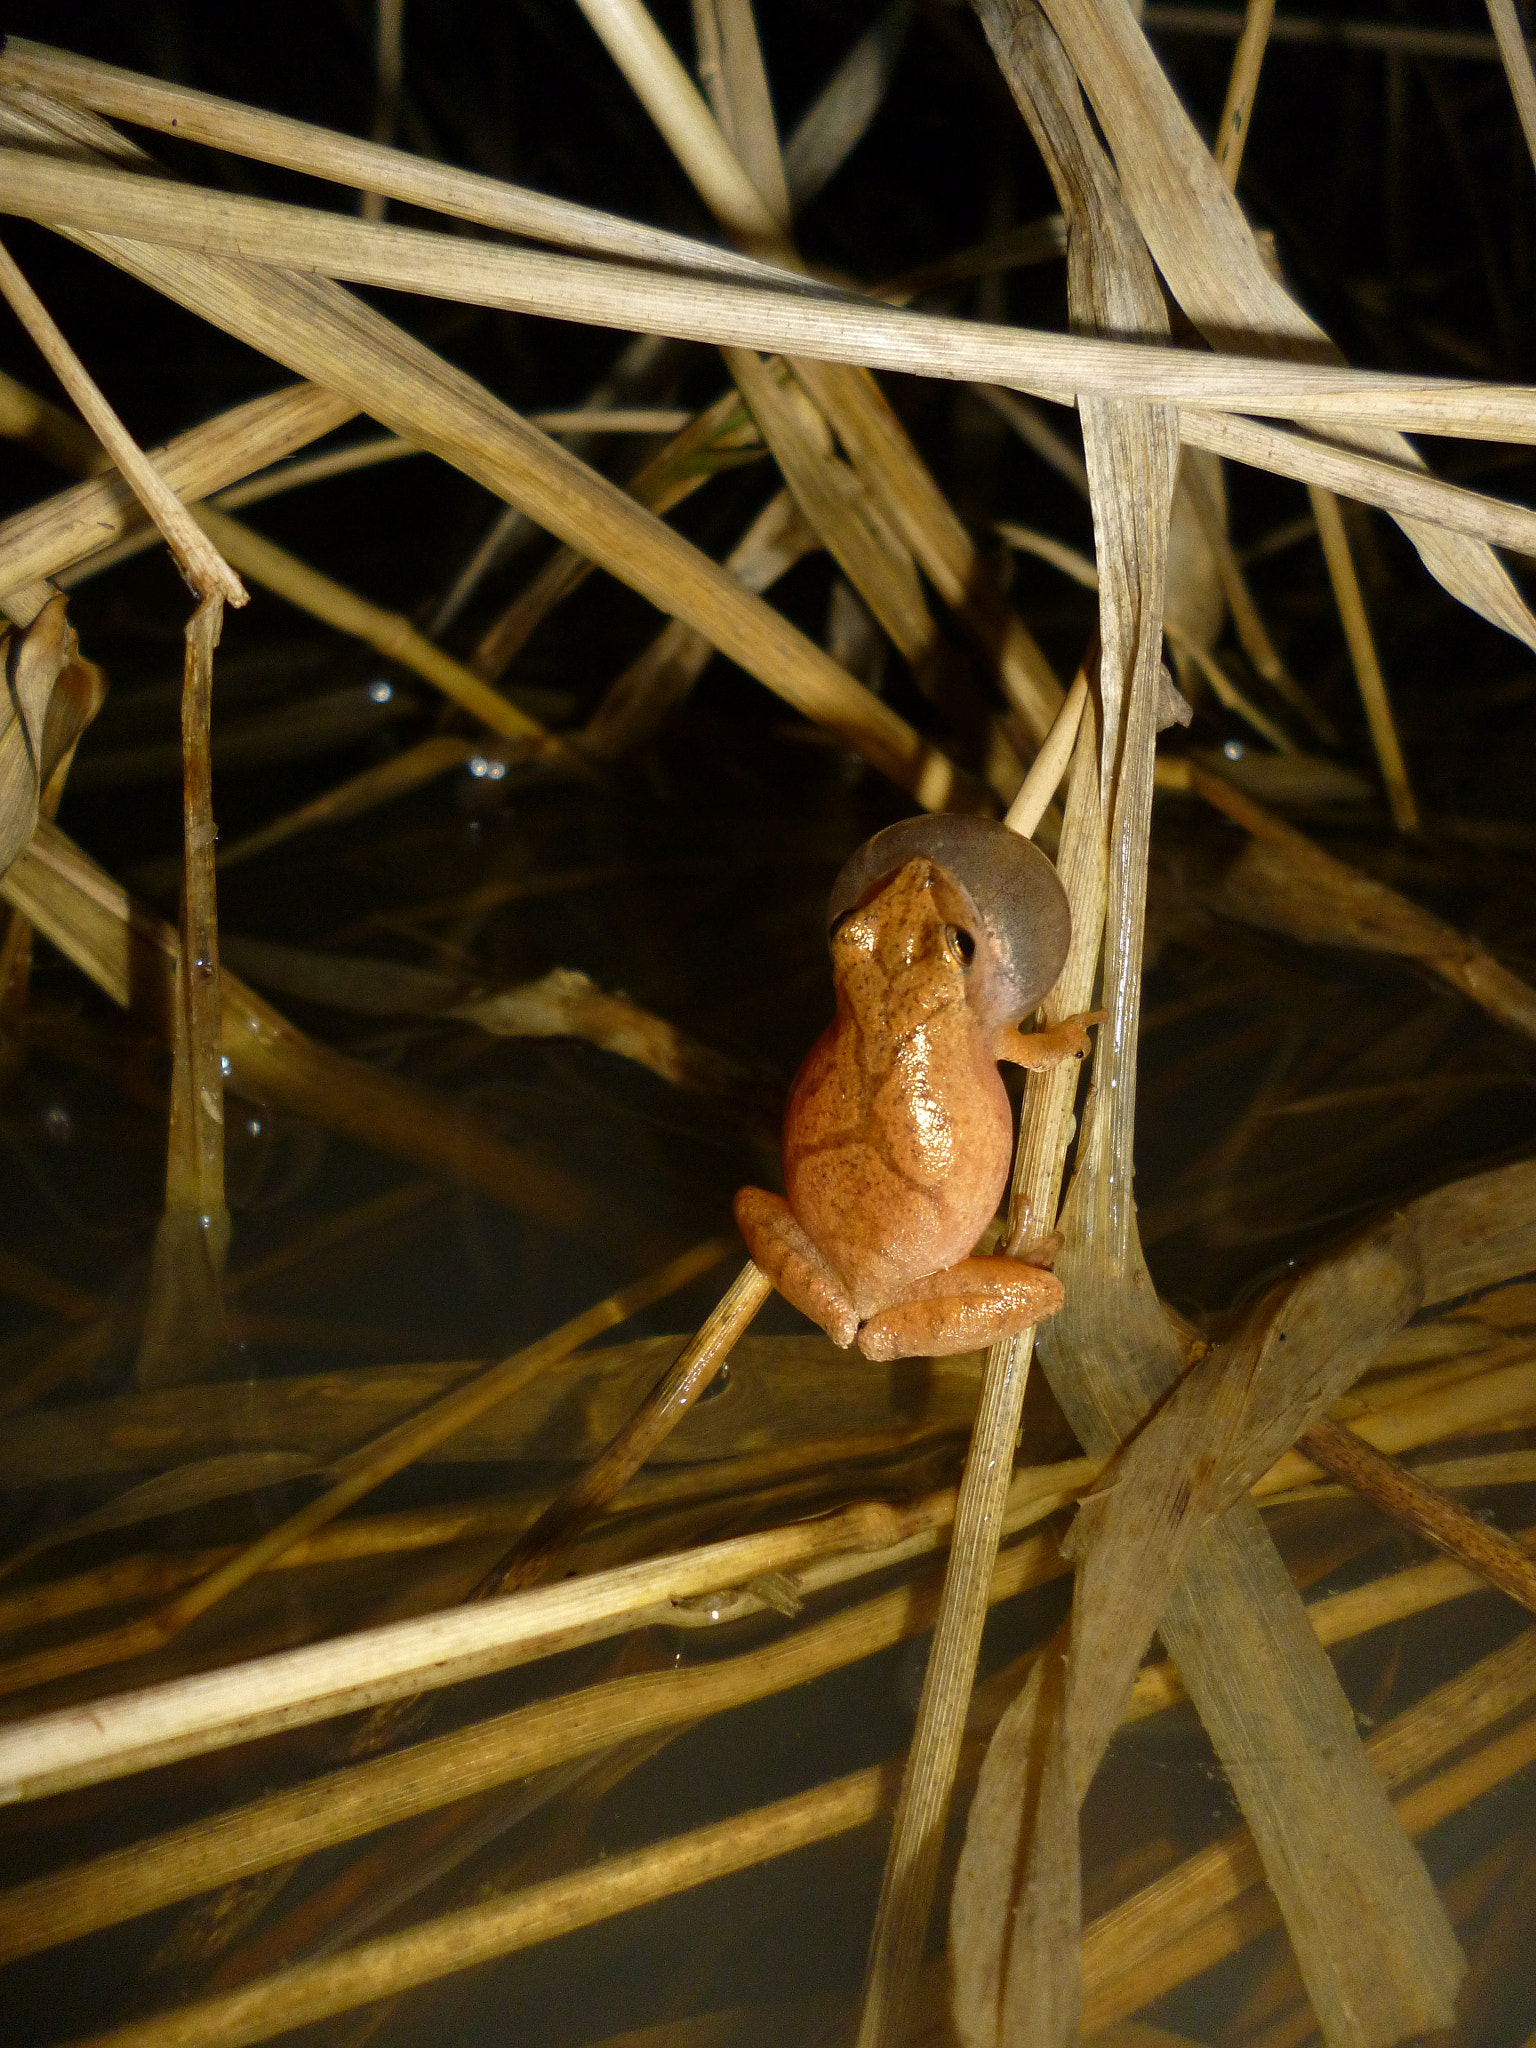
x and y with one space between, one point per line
729 1689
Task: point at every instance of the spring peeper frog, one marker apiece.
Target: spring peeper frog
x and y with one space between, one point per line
898 1137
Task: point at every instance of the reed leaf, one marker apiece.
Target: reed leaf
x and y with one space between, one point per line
311 323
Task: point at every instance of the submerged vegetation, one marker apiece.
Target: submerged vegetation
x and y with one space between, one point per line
456 633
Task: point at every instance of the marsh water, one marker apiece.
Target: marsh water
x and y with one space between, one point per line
1288 1090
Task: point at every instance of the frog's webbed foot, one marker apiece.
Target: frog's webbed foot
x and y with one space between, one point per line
791 1261
967 1307
1037 1050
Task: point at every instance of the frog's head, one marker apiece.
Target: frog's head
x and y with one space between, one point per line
961 906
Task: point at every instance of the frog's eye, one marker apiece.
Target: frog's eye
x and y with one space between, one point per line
960 943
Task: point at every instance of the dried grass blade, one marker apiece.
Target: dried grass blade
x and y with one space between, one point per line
323 153
39 694
835 121
64 529
416 394
698 1364
1350 600
730 62
1184 1922
1515 55
1242 86
1411 1500
639 701
131 956
355 1476
1374 478
184 1335
716 439
911 1871
360 1798
1221 1428
135 1731
899 490
796 322
389 632
199 561
1015 1979
1110 1353
385 1967
1206 251
1283 882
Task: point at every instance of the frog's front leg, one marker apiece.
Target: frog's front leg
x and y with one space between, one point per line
791 1261
1037 1050
967 1307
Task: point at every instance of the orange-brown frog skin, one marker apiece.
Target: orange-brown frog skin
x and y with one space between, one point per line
898 1138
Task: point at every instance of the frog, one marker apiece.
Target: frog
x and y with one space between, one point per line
898 1134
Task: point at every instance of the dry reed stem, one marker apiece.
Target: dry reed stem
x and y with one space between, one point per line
899 491
736 85
1284 1730
184 1334
199 561
357 1475
1286 882
61 530
305 1992
911 1870
1034 1493
1185 1921
784 317
1515 55
609 1598
1215 268
389 632
131 955
361 1798
696 1367
1412 1501
1363 658
394 1963
1046 548
1394 487
277 570
1251 1912
1242 86
389 62
1015 1909
638 701
322 153
184 1330
292 476
723 432
406 387
1340 1618
1050 765
679 110
1253 634
78 1745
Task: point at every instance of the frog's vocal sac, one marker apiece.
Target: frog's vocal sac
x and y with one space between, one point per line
945 932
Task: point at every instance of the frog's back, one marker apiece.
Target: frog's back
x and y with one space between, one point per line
896 1148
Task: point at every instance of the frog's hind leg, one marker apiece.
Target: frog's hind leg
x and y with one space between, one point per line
967 1307
791 1261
